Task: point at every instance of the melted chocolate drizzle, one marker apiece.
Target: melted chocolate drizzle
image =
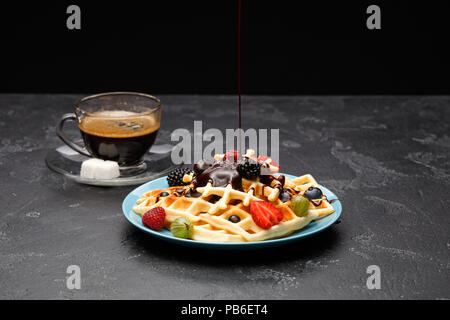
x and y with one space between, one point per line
201 166
268 179
220 174
191 193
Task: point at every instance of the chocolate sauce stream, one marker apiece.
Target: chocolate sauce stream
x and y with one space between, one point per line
239 61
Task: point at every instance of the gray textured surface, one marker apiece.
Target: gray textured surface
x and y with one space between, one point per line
388 158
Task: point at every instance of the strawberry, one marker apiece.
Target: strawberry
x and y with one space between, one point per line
232 154
271 162
264 214
154 218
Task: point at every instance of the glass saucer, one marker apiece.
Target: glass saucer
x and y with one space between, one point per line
67 162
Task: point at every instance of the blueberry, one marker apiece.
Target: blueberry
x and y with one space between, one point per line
313 193
285 195
164 194
234 218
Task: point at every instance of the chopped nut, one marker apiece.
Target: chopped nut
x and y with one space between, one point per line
188 177
250 153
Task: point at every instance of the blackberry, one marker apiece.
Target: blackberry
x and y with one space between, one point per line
249 169
175 178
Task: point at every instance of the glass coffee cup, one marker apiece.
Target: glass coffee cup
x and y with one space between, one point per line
117 126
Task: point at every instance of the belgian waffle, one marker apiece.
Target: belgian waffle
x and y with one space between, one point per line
210 211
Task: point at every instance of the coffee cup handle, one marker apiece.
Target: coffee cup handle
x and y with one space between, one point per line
65 138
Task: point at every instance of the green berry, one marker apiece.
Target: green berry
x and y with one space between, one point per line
299 205
182 228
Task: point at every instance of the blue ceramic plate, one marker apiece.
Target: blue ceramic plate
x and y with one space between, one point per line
161 183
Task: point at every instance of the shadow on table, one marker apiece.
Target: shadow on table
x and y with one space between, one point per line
305 249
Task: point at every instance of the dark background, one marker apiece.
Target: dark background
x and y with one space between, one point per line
166 47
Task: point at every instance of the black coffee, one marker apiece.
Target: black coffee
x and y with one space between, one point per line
119 135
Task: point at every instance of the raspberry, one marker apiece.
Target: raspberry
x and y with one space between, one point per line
154 218
175 178
231 155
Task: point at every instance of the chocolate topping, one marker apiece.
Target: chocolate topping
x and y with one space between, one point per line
214 198
268 179
191 193
220 174
201 166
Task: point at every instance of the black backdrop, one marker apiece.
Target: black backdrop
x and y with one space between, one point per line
313 47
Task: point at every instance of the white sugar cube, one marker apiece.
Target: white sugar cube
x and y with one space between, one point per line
88 168
107 170
99 169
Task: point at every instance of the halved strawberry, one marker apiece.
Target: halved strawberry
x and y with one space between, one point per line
271 162
231 155
265 214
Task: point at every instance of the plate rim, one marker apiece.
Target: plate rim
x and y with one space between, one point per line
296 236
